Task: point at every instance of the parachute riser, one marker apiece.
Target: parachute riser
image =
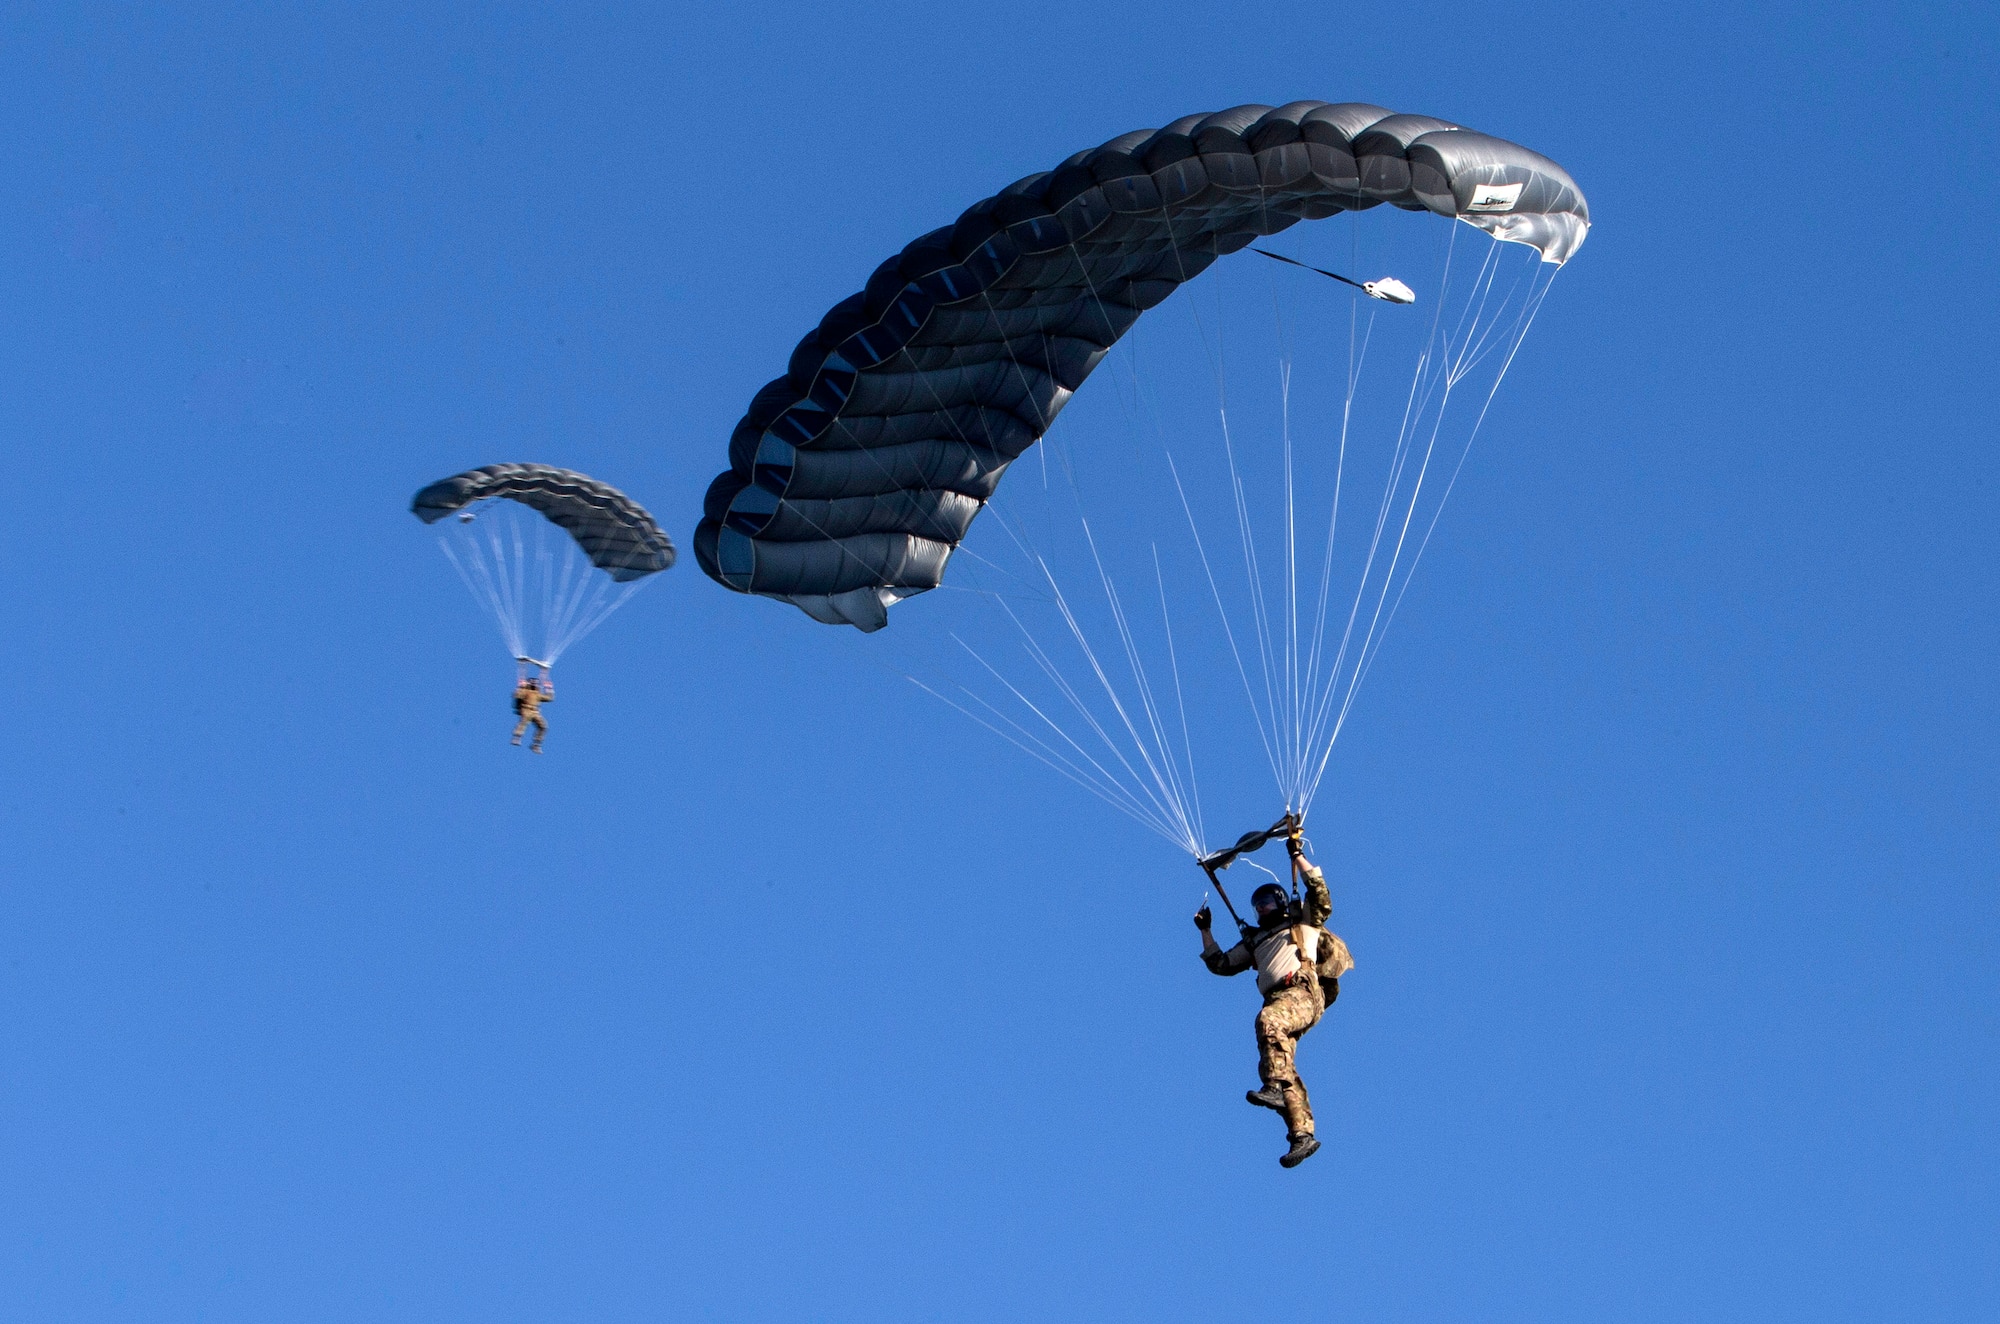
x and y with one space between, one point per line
1215 882
1214 863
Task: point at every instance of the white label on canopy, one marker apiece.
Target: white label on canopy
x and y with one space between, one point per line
1494 197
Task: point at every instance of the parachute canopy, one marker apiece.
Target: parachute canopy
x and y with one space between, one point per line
853 477
612 529
543 589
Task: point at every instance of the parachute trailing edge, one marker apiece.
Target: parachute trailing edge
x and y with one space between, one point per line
853 477
612 529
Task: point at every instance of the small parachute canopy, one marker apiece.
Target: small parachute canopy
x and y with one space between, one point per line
612 529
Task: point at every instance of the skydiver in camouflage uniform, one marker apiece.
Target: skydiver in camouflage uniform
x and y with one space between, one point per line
529 696
1291 952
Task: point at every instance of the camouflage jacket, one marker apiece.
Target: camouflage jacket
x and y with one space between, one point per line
1277 951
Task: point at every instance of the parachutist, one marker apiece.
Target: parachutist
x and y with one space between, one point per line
467 517
1299 964
529 696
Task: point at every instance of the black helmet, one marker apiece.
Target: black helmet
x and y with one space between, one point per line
1269 897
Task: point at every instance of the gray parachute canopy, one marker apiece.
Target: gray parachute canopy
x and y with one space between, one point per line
613 530
854 476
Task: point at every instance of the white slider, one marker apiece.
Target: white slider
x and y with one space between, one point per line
1390 290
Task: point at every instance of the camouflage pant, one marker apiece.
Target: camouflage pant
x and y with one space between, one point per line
541 727
1287 1014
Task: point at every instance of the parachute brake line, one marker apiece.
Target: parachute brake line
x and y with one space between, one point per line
1388 289
1216 883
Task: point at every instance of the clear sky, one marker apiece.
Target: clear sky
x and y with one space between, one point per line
1664 831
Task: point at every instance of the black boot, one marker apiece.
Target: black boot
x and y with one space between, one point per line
1303 1148
1272 1096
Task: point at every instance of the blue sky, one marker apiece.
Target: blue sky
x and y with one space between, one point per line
1663 832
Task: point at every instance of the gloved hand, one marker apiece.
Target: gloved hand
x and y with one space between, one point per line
1203 918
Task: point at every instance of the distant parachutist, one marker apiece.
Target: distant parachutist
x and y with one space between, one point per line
521 579
529 696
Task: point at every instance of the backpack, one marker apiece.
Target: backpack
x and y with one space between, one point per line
1333 961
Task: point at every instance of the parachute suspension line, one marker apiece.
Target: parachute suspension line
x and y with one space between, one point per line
507 578
1452 353
1166 811
1294 723
1452 371
579 601
1294 729
543 597
1414 410
1160 788
1399 456
1259 614
1130 349
606 596
1180 699
479 580
1229 632
1031 591
1279 717
1114 790
1165 807
1166 773
1356 361
1043 424
1160 817
1167 785
1523 321
1217 356
517 569
1132 757
557 605
1108 794
1106 786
